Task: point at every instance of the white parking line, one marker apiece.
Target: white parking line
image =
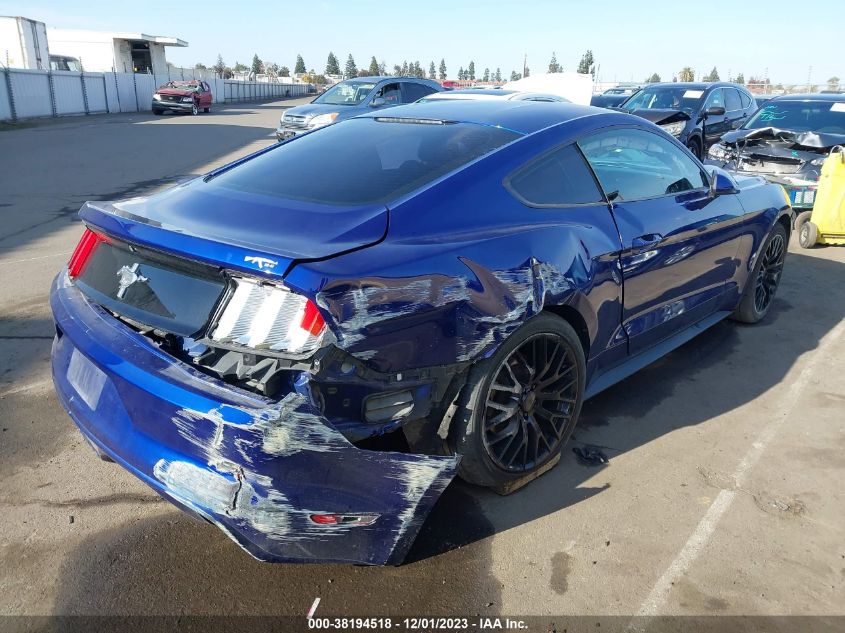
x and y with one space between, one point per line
32 259
656 600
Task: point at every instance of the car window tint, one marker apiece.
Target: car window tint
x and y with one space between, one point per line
391 93
414 91
746 99
363 161
638 164
559 178
715 99
732 100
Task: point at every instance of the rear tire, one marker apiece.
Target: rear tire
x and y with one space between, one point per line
519 407
808 232
158 112
207 110
764 279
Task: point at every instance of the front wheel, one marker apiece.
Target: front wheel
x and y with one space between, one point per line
694 146
764 279
194 110
520 406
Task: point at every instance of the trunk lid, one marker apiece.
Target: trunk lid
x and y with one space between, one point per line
238 229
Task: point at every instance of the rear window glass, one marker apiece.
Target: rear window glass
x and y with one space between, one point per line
557 179
363 161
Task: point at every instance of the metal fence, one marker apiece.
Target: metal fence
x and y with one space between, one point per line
26 94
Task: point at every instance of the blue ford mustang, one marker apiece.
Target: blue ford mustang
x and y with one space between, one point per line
459 276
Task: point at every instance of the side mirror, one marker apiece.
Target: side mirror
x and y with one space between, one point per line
714 111
377 102
721 184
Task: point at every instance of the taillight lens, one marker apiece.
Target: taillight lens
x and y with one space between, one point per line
83 251
265 316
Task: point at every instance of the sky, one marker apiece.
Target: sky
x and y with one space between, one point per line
630 39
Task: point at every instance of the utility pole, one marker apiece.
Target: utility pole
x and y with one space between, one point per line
524 63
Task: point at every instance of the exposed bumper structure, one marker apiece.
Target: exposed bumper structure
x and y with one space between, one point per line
173 106
266 473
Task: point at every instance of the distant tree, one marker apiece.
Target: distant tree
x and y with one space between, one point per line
397 70
257 66
374 70
674 79
528 72
498 76
471 71
219 66
554 67
655 78
382 68
461 74
686 74
284 71
418 70
587 65
271 69
432 71
441 72
200 66
405 70
833 83
740 79
332 65
351 69
239 67
299 67
712 76
515 76
486 77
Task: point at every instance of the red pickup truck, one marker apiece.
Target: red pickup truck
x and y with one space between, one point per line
183 96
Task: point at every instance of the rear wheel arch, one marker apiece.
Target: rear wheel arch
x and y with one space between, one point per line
578 323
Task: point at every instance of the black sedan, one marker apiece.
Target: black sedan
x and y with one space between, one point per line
697 114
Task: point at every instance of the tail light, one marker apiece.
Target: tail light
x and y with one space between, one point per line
83 251
265 316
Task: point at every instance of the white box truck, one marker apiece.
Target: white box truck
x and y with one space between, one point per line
23 43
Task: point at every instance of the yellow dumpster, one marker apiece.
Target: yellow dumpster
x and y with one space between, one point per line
825 224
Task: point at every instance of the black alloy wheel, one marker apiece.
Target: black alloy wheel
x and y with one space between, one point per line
768 275
530 403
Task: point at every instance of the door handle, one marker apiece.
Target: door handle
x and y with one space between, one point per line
645 242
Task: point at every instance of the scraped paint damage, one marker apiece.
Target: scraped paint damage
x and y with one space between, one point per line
488 305
234 441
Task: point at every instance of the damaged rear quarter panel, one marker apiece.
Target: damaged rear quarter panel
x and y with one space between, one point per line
463 266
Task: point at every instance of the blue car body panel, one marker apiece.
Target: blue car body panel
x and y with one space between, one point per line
414 292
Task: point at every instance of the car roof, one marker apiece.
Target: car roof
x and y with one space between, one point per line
524 117
378 78
835 98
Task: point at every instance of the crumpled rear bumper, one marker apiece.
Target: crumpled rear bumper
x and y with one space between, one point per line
257 469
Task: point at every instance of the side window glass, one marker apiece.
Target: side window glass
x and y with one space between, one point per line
734 103
391 93
556 179
715 100
636 164
414 91
746 100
